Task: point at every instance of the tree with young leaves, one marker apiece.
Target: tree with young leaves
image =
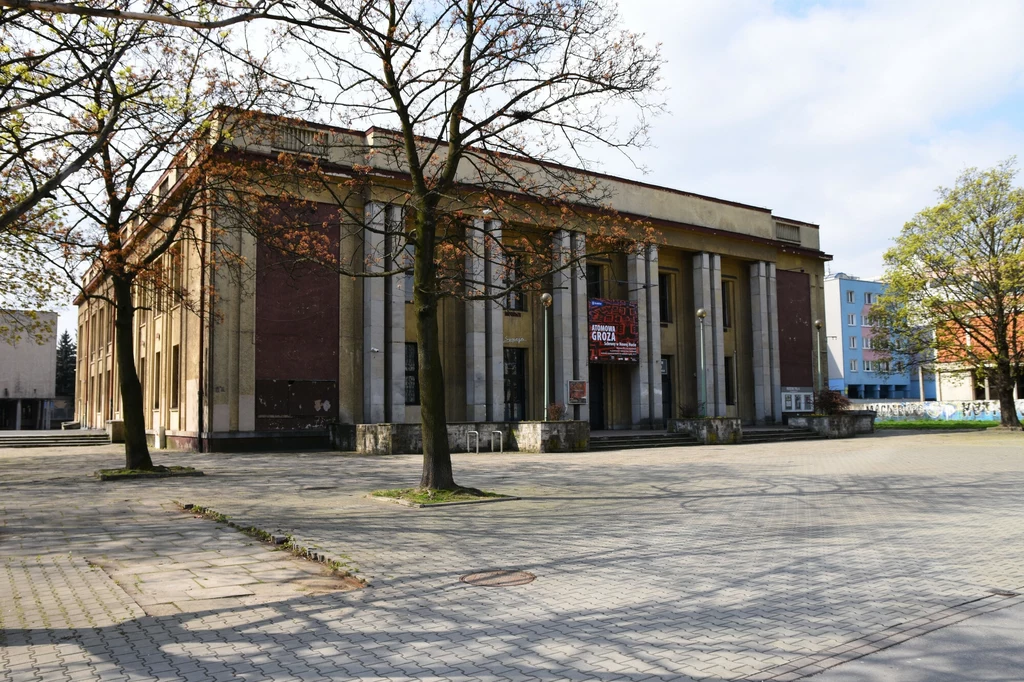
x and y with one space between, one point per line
955 285
145 197
483 102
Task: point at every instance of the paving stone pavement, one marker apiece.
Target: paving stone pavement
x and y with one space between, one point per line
750 562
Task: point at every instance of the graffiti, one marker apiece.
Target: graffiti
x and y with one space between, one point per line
970 410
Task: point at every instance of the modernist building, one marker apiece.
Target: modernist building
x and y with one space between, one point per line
285 353
854 368
28 374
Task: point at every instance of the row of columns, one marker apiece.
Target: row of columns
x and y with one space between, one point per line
485 324
384 326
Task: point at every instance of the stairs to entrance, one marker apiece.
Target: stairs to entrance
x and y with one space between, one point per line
631 440
780 434
51 439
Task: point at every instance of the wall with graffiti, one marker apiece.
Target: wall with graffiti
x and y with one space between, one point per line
971 410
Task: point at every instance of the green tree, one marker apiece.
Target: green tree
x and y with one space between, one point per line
67 366
955 281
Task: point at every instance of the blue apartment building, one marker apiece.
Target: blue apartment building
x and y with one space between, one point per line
854 367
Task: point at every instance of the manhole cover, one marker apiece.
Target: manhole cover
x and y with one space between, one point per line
498 578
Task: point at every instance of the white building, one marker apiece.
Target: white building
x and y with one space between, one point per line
28 375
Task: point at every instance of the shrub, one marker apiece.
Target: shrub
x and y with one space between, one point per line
830 402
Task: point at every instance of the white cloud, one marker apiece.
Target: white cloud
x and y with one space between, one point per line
845 114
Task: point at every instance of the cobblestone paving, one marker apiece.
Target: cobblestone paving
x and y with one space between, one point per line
721 563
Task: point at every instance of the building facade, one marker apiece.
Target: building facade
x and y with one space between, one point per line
284 353
28 369
854 367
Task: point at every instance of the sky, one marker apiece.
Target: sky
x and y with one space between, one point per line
848 114
844 113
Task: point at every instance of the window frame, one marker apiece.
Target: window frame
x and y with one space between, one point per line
665 297
853 365
413 373
853 343
851 296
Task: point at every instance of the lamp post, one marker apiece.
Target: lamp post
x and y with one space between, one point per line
545 300
702 393
817 345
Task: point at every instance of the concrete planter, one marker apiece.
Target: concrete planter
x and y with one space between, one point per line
845 425
398 439
560 436
115 430
709 430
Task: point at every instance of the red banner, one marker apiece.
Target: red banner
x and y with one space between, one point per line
614 331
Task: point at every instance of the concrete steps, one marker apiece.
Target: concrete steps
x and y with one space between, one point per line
631 441
51 439
752 436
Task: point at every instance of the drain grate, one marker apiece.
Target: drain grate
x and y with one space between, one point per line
505 578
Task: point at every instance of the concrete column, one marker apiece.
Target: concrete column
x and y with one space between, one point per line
394 291
495 315
580 325
373 315
476 326
561 317
707 294
765 345
654 338
17 415
640 380
773 339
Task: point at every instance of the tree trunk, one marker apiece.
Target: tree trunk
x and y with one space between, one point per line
1004 388
437 457
136 450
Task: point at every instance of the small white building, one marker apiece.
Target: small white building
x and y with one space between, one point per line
28 375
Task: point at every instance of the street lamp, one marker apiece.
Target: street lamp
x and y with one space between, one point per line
545 300
702 393
817 344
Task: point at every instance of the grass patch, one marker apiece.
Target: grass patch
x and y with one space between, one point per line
155 472
934 425
425 496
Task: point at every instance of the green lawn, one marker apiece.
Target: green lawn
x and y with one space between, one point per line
936 424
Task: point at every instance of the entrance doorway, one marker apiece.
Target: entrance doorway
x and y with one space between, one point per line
515 384
666 387
597 421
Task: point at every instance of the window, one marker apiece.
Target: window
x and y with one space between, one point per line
868 367
176 268
142 378
730 379
853 342
514 299
853 365
594 281
728 289
849 296
866 342
882 366
868 298
851 320
410 256
665 297
412 375
515 384
175 376
156 380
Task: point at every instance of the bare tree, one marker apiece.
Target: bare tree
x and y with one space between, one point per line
487 99
145 196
